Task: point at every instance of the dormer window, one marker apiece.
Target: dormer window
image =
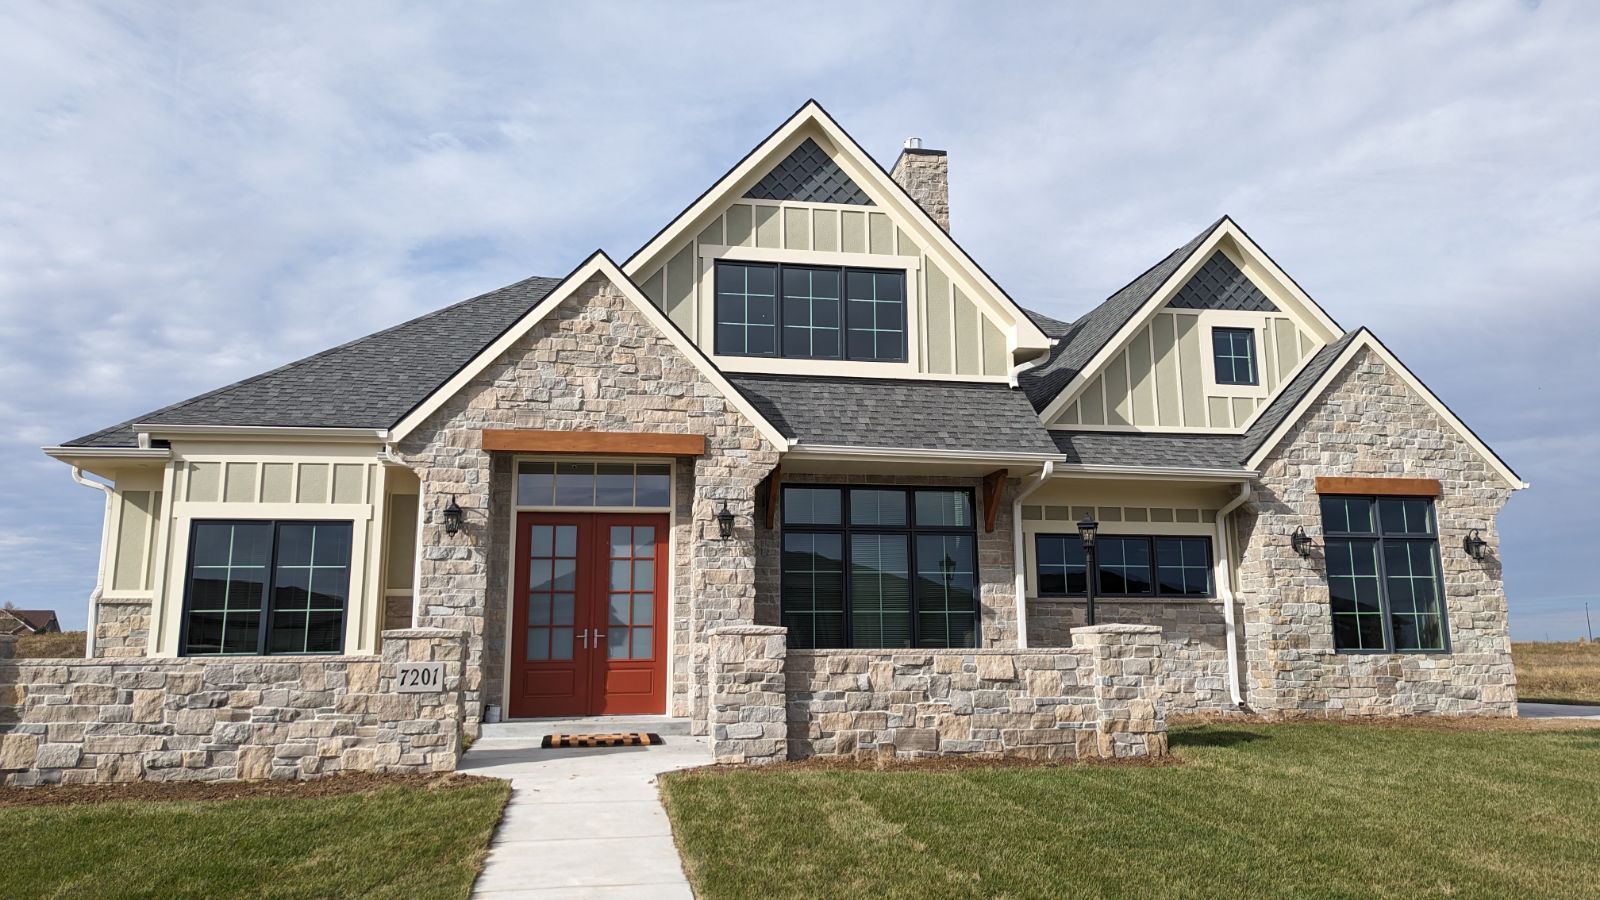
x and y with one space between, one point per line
810 312
1234 350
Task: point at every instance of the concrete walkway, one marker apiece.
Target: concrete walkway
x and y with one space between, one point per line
583 823
1557 711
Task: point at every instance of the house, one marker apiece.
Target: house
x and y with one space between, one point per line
28 621
801 470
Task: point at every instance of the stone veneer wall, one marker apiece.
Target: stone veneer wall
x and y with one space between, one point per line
121 627
1096 699
77 721
1369 423
996 552
1194 637
593 364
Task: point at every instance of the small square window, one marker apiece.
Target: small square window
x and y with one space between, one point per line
1234 350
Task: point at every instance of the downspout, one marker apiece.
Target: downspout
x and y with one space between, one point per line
391 455
100 570
1017 548
1225 585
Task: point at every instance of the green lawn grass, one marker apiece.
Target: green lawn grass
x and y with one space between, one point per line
393 842
1319 810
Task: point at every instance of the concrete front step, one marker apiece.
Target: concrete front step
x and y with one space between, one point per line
536 729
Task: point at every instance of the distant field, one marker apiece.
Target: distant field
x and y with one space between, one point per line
1557 672
50 646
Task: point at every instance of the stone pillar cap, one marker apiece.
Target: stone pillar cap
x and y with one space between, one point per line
750 630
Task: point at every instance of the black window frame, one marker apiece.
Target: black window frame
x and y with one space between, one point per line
911 530
264 630
1254 356
1378 536
1155 592
780 301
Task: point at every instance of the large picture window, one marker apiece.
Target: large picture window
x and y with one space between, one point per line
879 567
1383 573
262 587
1129 566
810 312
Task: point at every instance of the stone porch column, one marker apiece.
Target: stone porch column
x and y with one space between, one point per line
1132 720
749 697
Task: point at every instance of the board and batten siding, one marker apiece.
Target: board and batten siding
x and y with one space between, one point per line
957 337
1161 379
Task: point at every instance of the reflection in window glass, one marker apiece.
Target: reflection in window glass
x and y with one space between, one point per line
1384 586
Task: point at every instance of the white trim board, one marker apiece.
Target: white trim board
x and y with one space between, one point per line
1366 340
598 263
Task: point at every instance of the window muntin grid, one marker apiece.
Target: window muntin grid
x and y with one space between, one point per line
1385 587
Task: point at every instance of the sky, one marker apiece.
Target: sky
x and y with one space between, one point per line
194 193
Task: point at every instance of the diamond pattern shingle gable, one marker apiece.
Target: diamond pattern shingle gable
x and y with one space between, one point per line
1221 285
371 382
897 414
808 175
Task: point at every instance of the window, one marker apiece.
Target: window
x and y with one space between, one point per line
266 587
1129 566
1235 352
1383 573
879 567
629 485
810 312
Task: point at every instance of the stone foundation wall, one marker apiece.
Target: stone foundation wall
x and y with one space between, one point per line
121 627
78 721
1370 423
1194 644
1097 699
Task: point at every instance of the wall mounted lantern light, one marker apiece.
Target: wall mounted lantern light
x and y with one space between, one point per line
1475 545
1300 541
724 522
452 517
1087 527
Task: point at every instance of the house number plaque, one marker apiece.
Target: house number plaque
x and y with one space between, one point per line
419 677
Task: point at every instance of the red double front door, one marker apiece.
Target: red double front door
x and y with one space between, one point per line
588 629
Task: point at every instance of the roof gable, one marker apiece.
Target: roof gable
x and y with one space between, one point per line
1265 436
787 147
597 264
1217 271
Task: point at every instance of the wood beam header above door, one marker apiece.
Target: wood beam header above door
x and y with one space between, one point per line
599 443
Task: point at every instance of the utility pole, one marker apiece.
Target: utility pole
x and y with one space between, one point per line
1587 621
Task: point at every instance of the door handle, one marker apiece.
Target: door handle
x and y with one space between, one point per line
584 636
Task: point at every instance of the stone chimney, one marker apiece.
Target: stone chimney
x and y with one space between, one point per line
925 174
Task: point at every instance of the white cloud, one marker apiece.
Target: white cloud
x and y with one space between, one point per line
190 194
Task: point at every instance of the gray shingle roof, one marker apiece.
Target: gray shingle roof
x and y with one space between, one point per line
1099 325
1105 448
901 414
371 382
1291 394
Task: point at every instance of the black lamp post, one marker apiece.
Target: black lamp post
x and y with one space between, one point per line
1087 527
724 521
452 517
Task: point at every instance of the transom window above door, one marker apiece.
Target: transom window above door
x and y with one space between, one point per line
810 312
615 485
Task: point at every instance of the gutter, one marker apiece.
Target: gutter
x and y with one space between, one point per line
100 570
1225 586
1027 488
